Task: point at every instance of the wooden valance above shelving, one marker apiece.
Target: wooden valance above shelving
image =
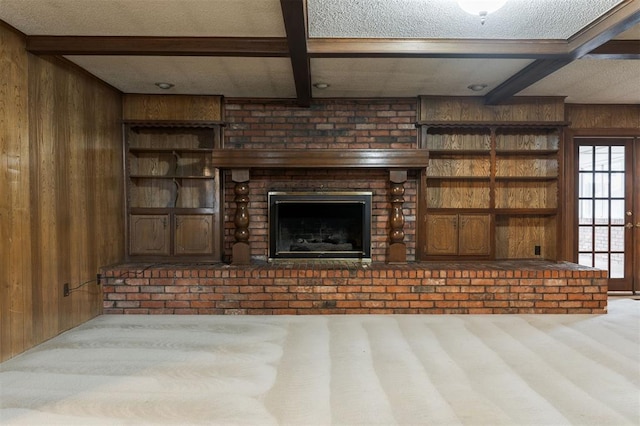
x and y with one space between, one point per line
325 158
496 124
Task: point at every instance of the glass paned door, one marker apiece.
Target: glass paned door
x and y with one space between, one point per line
605 209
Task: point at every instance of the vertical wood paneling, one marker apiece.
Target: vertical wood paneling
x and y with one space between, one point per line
44 229
107 173
61 202
517 237
79 142
173 107
603 116
15 250
78 184
440 108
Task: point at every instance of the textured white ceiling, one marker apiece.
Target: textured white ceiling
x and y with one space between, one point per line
518 19
234 77
592 81
188 18
410 77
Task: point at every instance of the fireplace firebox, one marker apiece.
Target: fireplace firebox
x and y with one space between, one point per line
321 225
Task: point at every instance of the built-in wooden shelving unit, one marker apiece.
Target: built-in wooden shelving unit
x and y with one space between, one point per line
173 187
491 189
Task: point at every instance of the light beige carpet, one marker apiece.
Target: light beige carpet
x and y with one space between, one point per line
322 370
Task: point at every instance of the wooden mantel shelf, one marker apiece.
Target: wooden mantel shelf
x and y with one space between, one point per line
320 158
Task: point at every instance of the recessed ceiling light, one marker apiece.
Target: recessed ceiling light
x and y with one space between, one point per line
164 86
321 85
477 87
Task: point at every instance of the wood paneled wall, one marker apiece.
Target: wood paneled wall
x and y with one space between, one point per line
612 117
61 194
172 107
15 243
465 108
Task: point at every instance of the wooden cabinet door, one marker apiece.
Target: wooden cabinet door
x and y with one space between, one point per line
442 234
194 234
474 234
149 234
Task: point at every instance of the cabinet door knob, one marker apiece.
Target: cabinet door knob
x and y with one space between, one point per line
629 225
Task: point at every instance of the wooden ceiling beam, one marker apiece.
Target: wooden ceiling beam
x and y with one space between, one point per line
620 19
293 13
319 48
435 48
616 49
532 73
158 46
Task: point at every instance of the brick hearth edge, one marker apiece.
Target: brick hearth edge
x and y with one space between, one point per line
335 287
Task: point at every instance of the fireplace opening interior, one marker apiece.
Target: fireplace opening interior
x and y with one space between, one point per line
320 226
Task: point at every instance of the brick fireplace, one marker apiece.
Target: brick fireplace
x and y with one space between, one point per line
342 126
376 182
338 146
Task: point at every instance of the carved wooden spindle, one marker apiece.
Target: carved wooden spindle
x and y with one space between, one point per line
241 250
397 216
241 219
397 249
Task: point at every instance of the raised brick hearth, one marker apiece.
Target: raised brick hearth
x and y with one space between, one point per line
335 287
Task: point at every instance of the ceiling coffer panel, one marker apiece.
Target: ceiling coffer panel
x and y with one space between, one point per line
518 19
586 80
229 76
186 18
409 77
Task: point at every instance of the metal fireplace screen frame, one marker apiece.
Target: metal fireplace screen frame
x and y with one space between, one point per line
320 248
